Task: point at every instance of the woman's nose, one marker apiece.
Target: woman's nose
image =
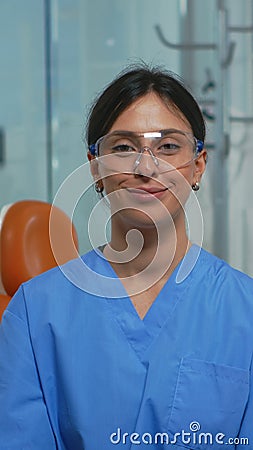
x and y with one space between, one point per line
146 163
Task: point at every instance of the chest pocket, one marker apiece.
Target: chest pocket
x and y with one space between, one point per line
209 399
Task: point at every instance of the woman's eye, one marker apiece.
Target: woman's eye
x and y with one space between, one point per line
169 147
122 148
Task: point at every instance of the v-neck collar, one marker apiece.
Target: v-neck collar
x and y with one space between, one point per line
140 333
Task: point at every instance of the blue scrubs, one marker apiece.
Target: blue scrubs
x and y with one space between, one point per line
81 371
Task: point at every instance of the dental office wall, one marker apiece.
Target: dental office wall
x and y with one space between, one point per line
57 55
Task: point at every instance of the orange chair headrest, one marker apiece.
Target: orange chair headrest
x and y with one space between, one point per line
25 244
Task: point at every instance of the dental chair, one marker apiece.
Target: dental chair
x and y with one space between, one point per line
34 237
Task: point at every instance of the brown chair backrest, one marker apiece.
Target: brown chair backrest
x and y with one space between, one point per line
26 242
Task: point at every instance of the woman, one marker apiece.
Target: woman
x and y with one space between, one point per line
150 343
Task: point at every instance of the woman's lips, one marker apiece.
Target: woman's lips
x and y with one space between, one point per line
147 193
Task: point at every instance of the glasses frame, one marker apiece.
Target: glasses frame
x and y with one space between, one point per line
199 145
93 148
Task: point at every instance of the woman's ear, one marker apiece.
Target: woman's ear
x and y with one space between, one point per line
200 165
94 168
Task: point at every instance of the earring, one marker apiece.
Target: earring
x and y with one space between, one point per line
195 187
99 187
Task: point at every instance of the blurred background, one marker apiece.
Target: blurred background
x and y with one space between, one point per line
57 55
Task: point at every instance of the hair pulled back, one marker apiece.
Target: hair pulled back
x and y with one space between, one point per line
135 82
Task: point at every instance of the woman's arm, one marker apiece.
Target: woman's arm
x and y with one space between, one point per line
24 420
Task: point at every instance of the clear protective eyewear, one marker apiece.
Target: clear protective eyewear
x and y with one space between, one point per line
170 149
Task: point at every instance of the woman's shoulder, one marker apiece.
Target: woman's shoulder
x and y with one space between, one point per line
76 273
58 272
87 276
60 288
222 274
218 264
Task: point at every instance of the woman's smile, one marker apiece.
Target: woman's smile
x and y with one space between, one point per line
147 193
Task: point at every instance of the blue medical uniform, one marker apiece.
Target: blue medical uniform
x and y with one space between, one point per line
80 370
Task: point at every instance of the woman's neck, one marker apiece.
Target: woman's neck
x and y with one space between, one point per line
147 251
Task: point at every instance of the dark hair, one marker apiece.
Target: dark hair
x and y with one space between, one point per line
133 83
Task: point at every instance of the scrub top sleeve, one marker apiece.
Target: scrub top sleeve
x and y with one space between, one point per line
24 421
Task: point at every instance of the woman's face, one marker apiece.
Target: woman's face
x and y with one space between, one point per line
145 194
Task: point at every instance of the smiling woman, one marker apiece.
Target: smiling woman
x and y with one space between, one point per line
146 163
137 338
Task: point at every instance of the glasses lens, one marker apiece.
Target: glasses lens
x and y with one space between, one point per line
118 144
174 143
175 148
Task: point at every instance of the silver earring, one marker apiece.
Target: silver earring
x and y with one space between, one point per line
195 187
99 189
